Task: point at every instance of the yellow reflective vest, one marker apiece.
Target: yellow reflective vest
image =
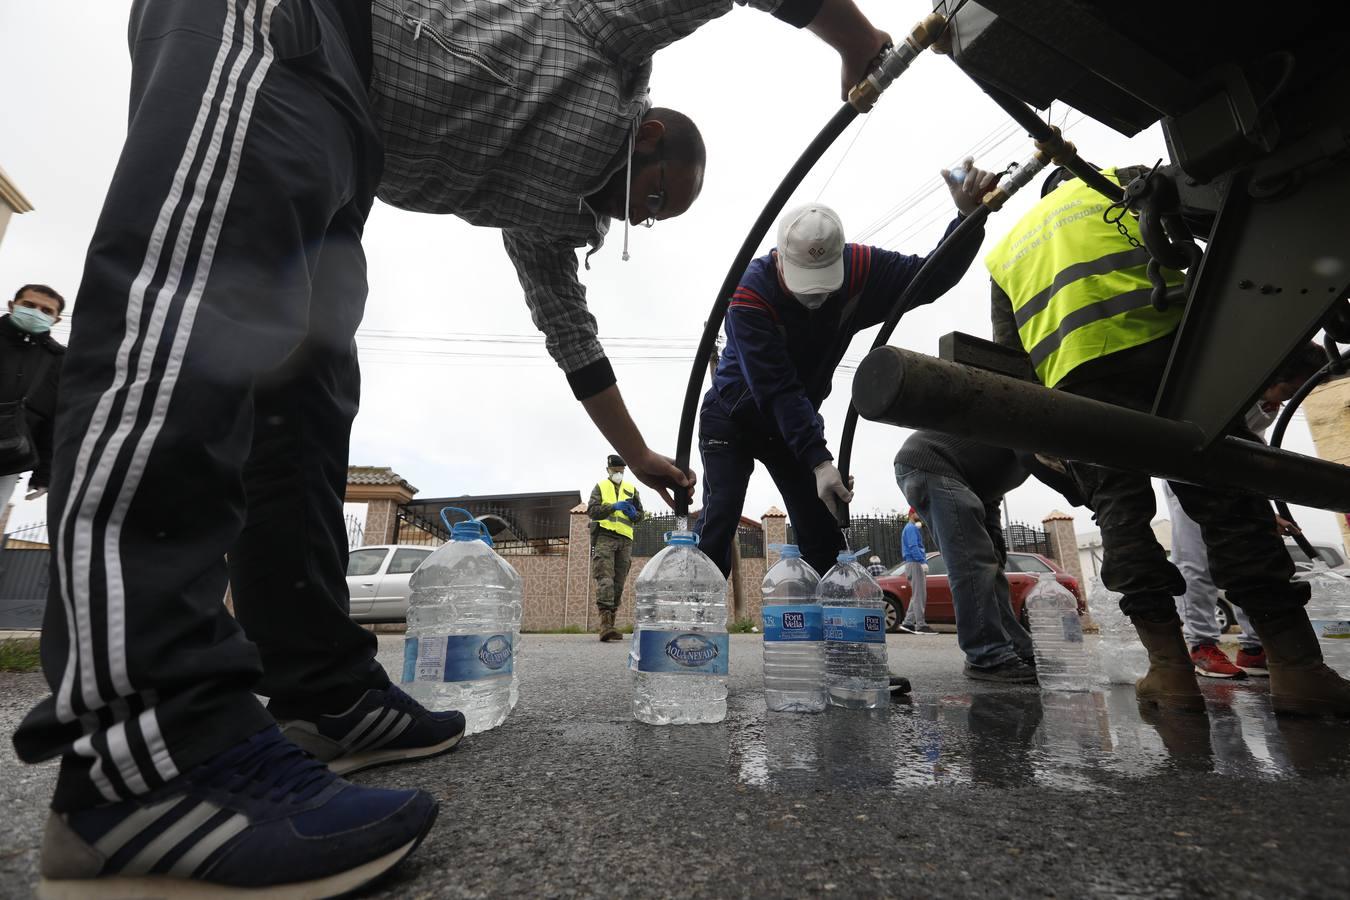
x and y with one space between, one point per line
1079 288
617 521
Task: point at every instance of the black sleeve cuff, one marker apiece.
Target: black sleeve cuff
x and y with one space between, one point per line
590 380
798 13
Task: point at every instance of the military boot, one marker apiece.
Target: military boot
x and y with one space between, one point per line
607 630
1170 682
1300 683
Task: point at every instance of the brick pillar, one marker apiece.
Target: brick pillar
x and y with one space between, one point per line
1064 547
577 602
774 522
383 492
1328 412
1063 542
381 522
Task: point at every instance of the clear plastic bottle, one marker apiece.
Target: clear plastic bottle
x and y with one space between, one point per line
1057 637
464 629
1121 658
854 609
680 637
1329 610
794 634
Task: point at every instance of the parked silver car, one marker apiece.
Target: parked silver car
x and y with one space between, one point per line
377 578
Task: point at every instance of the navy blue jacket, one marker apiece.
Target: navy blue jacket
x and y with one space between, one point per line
780 356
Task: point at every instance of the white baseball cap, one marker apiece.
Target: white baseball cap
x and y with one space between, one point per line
811 249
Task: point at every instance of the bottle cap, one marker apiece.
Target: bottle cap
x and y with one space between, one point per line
681 537
787 551
851 555
470 530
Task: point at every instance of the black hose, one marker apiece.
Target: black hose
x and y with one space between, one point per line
1282 424
779 198
972 222
1026 117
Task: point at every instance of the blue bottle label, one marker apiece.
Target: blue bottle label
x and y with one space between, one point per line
854 625
682 652
794 623
457 657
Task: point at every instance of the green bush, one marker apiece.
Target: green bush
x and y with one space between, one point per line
743 626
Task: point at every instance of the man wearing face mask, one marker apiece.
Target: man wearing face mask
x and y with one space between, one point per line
614 508
30 371
789 324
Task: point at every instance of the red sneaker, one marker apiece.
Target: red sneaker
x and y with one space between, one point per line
1253 662
1212 662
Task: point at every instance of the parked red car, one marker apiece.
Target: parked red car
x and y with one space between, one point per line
1023 569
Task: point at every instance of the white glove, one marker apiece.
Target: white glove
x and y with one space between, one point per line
925 568
830 488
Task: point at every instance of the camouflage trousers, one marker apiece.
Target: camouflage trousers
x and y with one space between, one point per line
611 557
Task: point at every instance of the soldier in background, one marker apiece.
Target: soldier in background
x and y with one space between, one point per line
614 508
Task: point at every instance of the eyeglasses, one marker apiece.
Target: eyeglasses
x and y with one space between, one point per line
657 201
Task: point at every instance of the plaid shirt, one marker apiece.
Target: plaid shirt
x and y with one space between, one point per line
508 113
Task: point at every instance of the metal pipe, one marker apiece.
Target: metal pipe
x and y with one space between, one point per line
900 387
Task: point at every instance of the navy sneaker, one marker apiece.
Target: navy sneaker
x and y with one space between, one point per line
384 726
262 819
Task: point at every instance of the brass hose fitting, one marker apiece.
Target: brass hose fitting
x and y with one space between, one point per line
894 62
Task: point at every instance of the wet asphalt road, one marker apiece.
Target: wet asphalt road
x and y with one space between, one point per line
969 790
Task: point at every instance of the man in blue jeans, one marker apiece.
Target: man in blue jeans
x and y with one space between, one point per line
957 487
916 571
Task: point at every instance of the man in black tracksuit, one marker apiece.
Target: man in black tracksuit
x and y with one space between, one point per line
30 371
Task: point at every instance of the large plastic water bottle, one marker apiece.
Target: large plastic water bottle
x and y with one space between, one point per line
854 611
1329 610
1057 637
464 629
680 637
794 634
1121 657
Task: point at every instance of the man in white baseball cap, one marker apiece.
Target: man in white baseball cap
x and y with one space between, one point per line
811 253
790 321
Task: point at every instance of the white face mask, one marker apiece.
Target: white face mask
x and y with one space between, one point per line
811 301
616 477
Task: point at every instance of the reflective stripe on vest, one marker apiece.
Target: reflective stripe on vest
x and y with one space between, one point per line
617 521
1079 291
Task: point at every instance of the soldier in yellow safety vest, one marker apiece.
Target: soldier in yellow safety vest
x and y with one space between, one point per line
614 508
1071 290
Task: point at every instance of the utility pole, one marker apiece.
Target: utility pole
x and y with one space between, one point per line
737 592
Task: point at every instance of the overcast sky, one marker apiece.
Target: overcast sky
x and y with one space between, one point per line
459 396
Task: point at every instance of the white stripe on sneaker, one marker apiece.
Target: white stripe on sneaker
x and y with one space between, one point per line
171 837
378 735
210 843
354 737
133 825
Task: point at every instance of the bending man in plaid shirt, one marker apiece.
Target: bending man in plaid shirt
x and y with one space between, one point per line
211 382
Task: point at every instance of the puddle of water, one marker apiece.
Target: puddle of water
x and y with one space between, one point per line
1070 741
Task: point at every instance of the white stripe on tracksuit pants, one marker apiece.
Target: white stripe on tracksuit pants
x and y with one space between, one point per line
212 361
